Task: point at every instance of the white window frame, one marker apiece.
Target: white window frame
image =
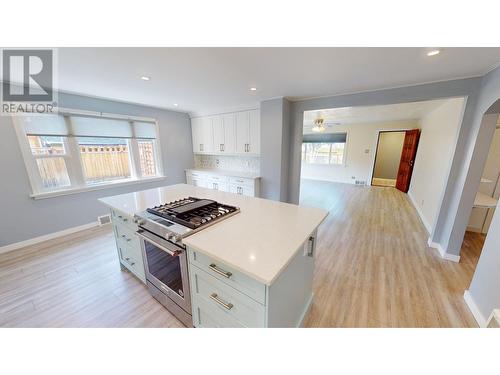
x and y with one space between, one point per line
73 160
344 159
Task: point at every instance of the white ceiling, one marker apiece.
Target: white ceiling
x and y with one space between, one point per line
211 80
372 114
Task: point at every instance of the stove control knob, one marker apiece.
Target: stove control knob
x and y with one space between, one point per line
169 236
176 239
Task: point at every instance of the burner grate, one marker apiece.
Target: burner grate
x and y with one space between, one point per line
192 212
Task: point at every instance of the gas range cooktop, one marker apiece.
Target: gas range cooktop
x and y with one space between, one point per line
178 219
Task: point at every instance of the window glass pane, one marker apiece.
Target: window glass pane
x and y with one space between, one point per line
104 159
337 155
53 172
46 145
318 153
323 153
147 157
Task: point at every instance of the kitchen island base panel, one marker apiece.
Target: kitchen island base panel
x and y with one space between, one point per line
289 297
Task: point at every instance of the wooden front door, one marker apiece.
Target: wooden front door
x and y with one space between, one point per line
407 160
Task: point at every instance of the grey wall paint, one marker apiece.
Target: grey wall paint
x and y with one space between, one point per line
470 157
24 218
484 288
275 141
388 157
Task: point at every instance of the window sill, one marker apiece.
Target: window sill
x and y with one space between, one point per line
57 193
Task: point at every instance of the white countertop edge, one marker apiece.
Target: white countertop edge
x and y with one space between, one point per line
225 173
267 282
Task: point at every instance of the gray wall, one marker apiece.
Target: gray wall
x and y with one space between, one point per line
388 157
470 157
274 145
24 218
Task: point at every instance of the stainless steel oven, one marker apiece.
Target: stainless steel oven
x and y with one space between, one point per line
167 274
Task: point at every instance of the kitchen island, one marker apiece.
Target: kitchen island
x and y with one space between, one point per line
253 269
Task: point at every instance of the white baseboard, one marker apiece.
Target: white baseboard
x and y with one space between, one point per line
422 218
442 252
46 237
481 321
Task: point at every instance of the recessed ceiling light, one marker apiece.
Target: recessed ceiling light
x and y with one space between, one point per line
145 78
175 104
253 88
434 52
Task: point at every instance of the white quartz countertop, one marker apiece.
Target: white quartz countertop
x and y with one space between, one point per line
259 241
224 172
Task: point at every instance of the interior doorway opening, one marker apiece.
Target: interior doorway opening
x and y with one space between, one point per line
486 199
387 158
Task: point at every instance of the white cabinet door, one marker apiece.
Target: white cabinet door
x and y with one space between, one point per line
202 134
218 128
207 135
242 190
254 131
196 133
242 132
224 134
229 124
217 185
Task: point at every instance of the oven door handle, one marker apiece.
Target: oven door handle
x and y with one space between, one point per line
145 237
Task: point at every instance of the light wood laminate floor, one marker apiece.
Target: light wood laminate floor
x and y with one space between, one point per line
373 269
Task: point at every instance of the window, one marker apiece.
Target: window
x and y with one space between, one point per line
74 151
105 159
49 154
328 149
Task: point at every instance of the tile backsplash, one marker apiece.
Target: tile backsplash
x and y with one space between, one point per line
229 163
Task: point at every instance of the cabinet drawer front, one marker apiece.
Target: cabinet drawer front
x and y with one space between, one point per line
124 234
206 316
123 219
217 178
236 279
130 259
241 181
197 174
226 299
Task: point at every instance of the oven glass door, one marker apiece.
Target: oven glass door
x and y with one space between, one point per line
164 267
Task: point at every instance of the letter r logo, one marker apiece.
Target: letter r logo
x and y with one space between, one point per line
28 75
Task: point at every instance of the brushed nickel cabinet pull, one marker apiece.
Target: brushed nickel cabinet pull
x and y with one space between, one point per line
226 305
216 269
311 247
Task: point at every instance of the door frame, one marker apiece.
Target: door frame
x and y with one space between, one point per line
374 154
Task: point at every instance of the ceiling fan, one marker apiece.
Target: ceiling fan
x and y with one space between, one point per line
320 125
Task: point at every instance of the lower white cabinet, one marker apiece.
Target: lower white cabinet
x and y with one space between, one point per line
231 184
222 296
127 244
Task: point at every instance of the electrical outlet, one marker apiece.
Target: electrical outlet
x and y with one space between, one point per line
367 151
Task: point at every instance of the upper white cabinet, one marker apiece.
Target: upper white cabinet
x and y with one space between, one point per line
203 135
248 132
224 134
231 134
